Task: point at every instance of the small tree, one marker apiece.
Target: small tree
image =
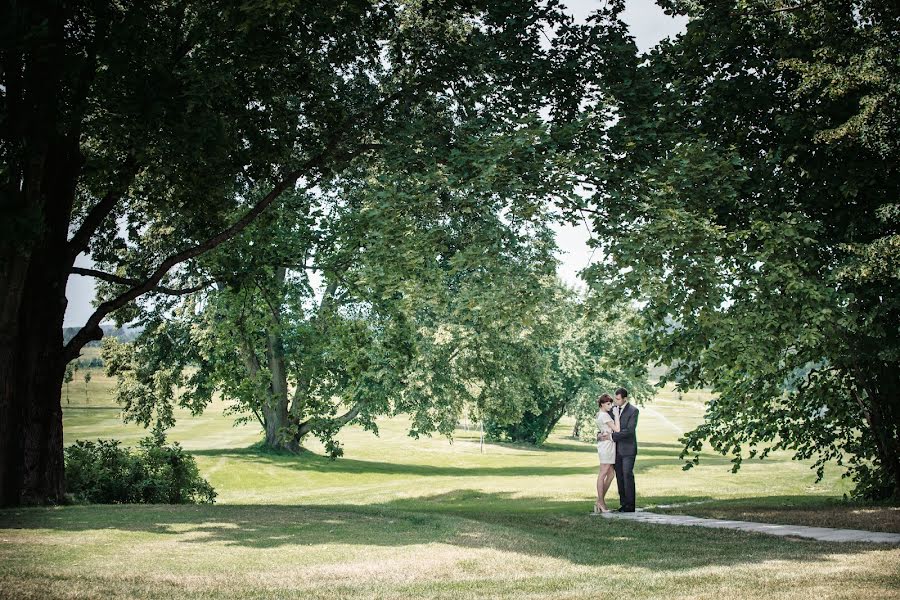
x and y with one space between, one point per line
87 380
69 376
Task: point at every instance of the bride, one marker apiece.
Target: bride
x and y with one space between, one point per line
606 449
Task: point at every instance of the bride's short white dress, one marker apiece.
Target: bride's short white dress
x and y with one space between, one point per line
606 449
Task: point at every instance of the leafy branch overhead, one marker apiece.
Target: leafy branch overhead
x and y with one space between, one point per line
750 210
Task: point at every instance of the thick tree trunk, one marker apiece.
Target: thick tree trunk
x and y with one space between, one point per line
12 414
40 385
43 165
275 410
32 358
32 369
41 350
884 425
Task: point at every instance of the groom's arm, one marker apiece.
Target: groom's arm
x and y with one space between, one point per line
627 428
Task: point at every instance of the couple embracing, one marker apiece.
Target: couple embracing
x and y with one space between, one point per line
617 448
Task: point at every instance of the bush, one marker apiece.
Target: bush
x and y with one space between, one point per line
103 472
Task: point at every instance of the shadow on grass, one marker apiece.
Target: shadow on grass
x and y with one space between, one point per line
648 458
307 461
464 518
573 445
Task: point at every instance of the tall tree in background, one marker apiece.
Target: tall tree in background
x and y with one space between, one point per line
398 255
572 353
145 135
752 212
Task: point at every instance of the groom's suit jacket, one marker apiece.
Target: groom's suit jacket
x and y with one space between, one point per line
625 438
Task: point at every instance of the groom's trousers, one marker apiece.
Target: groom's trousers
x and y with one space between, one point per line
625 481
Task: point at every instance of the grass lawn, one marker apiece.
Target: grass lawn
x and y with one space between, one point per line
403 518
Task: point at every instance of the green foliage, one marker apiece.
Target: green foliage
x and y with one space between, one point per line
431 223
748 206
376 340
575 351
103 472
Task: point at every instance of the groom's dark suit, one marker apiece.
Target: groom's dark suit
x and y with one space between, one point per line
626 452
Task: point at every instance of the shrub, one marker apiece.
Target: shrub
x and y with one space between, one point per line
103 472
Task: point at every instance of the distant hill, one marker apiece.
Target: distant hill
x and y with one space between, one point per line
123 334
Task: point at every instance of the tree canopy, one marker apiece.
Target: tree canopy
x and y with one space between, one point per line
750 210
146 135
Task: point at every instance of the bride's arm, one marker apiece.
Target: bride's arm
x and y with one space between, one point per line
614 424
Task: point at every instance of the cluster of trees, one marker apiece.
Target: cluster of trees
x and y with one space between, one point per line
221 162
149 135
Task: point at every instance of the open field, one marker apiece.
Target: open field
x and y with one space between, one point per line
401 518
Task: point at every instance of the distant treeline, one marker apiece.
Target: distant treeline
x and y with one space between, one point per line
123 334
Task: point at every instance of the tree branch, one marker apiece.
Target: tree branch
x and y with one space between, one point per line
99 212
772 11
132 282
305 427
91 330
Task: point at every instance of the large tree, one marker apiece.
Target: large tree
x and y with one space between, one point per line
146 134
750 208
396 255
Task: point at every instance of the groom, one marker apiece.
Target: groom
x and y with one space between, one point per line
626 448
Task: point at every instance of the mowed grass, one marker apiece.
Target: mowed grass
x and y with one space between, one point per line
404 518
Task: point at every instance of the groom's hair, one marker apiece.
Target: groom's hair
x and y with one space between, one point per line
622 392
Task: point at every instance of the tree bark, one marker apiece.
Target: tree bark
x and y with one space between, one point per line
33 471
275 408
13 272
880 412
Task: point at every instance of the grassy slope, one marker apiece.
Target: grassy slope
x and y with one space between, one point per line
400 518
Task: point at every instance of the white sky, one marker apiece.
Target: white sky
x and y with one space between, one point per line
648 25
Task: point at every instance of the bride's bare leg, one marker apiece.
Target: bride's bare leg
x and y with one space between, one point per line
607 474
608 479
600 476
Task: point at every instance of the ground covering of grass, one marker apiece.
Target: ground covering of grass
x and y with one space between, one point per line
404 518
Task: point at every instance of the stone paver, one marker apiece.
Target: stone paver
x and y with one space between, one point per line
825 534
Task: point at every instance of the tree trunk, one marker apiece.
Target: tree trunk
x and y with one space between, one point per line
41 349
11 420
43 163
33 358
40 386
884 427
33 366
881 411
12 415
275 410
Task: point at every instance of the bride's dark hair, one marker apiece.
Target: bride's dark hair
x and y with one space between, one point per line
604 398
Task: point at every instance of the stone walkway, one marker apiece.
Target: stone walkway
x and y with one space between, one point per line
824 534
